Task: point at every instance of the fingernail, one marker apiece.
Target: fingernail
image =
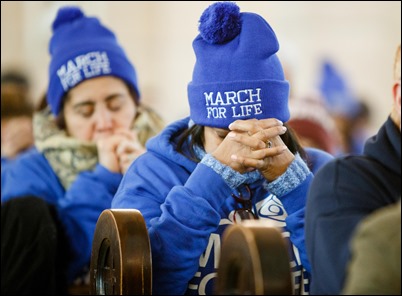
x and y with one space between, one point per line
233 157
231 135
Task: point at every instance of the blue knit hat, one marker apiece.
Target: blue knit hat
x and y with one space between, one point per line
237 74
82 48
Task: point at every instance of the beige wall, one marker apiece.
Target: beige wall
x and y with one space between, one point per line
360 37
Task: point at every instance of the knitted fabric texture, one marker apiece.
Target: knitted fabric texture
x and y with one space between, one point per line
82 48
237 74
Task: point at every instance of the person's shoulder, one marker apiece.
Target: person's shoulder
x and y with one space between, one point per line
317 158
349 170
342 161
29 154
318 154
29 173
29 159
166 137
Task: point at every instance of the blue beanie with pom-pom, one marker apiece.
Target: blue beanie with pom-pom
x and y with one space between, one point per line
82 48
237 74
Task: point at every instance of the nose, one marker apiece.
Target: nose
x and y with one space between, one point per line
103 120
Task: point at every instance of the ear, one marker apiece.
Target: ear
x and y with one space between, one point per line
396 92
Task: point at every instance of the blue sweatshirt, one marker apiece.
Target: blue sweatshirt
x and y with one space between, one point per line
78 208
344 192
187 206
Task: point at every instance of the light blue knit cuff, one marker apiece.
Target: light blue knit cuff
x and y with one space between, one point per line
233 178
295 174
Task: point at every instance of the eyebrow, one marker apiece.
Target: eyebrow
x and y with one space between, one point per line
89 102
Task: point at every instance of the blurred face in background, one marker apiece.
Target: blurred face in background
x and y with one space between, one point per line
97 108
16 135
16 116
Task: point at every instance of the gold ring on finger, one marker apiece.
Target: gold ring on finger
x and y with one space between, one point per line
269 144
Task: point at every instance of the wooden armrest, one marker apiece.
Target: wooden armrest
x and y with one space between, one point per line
254 261
121 261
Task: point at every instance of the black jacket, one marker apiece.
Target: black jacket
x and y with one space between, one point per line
342 193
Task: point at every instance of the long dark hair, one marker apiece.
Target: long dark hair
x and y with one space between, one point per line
195 134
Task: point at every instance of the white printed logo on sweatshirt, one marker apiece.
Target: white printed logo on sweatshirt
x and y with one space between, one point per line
273 211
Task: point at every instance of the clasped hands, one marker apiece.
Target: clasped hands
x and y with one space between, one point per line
116 152
246 147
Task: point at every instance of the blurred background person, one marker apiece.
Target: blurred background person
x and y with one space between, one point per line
351 116
360 127
313 124
16 115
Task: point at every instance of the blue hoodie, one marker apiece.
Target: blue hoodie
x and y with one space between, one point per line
187 206
78 208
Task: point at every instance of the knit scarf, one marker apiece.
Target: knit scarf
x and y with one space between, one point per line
69 156
66 155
